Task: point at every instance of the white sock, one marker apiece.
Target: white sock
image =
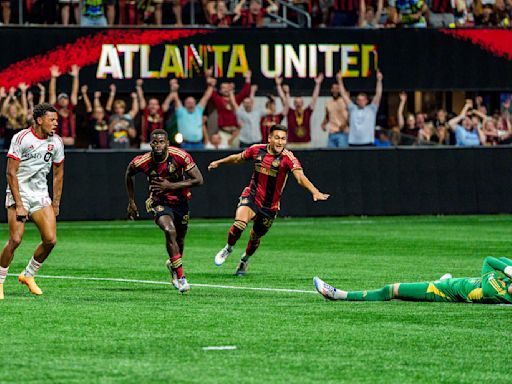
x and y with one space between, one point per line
340 295
3 274
32 268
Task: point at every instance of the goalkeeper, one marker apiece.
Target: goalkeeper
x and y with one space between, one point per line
492 287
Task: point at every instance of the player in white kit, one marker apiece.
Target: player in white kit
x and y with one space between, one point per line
31 155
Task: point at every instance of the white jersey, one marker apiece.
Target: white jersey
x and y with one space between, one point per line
36 156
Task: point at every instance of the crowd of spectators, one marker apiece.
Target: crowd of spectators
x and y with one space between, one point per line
223 118
260 13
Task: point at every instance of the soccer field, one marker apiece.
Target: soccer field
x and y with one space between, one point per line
139 331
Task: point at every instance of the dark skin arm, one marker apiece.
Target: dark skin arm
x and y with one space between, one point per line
58 180
194 179
130 188
12 180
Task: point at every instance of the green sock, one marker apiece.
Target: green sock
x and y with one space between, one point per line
383 294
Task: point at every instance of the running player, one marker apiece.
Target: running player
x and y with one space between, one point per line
170 171
30 158
260 200
492 287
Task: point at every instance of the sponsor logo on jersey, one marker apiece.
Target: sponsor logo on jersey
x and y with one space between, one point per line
172 168
50 147
276 163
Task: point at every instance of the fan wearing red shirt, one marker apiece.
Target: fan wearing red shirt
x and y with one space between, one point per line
171 172
260 201
273 117
299 118
153 115
254 15
226 117
65 105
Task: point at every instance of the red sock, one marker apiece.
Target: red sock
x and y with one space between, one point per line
236 231
252 244
177 266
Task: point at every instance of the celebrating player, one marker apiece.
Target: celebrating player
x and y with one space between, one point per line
171 171
30 157
260 200
492 287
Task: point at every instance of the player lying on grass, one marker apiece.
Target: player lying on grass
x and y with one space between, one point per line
170 171
492 287
260 200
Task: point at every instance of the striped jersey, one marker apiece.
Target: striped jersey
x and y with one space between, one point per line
173 168
36 156
269 176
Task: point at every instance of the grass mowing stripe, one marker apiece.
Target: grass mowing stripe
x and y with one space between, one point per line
121 280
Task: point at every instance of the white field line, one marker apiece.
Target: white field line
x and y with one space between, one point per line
220 348
119 280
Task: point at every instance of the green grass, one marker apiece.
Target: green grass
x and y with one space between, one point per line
114 332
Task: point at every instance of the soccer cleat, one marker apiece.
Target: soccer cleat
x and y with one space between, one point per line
241 268
1 291
221 257
183 285
446 276
325 289
30 282
174 276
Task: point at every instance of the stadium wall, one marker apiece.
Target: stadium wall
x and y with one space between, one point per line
413 59
394 181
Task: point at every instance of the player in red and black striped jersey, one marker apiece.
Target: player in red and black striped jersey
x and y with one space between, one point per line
171 172
260 200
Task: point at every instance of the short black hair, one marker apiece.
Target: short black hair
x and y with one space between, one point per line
278 127
159 132
41 109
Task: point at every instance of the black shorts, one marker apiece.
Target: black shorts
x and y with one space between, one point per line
264 218
179 213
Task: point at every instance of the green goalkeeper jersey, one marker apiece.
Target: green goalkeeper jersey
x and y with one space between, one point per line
491 288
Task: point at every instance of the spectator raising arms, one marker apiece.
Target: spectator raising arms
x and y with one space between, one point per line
220 16
362 115
299 118
153 115
226 119
248 118
65 105
254 15
368 18
408 127
120 126
190 116
98 120
466 134
272 117
336 119
13 113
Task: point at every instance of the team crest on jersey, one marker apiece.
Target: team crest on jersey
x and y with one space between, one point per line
50 147
159 208
276 163
172 168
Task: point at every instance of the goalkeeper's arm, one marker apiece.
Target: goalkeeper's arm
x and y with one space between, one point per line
492 264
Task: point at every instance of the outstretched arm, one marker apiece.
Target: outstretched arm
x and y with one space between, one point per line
491 287
237 158
316 90
378 89
42 92
457 119
401 107
54 73
168 100
304 182
194 179
129 179
140 94
87 101
344 94
75 71
111 97
211 82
